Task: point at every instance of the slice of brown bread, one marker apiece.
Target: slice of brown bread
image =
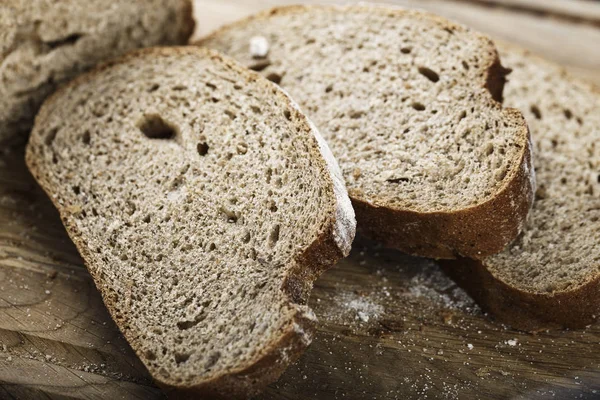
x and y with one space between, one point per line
550 276
434 165
204 205
44 43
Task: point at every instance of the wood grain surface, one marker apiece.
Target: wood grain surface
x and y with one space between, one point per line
392 326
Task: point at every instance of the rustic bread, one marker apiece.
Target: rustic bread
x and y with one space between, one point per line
407 102
44 43
550 276
204 205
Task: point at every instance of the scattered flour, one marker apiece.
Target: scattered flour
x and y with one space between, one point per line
365 308
434 285
350 306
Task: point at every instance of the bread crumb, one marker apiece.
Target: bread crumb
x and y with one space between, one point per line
259 47
512 342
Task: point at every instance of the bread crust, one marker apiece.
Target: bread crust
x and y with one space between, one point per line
21 106
476 231
297 334
524 310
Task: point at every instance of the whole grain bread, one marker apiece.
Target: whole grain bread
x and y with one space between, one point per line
408 103
550 276
204 204
44 43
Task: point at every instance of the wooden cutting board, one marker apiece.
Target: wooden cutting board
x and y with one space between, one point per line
392 326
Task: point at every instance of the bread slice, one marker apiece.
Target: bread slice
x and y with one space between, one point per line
550 276
408 103
44 43
204 205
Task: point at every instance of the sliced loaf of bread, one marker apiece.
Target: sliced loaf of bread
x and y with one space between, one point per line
408 103
204 205
44 43
550 276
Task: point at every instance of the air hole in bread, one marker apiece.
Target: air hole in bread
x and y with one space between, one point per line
406 50
256 109
86 138
212 360
51 136
178 88
182 357
149 354
272 206
76 189
184 325
274 235
536 111
356 114
465 65
398 180
66 41
246 238
501 173
202 148
329 88
287 115
154 127
147 218
242 148
429 74
274 77
568 113
418 106
153 88
230 114
269 174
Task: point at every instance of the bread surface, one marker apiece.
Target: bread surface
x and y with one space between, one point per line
408 103
204 204
45 43
549 277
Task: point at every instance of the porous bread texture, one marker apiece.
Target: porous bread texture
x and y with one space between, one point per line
44 43
204 208
549 277
434 165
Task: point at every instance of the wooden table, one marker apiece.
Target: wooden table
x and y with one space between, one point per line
392 326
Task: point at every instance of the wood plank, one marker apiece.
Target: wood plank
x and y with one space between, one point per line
572 44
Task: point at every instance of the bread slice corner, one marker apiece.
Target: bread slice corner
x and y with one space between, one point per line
409 103
549 277
204 205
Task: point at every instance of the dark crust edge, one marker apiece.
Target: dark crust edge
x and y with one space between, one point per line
523 310
188 25
307 266
475 231
526 311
